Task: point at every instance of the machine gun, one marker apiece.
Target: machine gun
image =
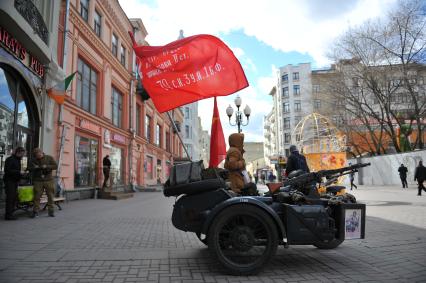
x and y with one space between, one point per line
304 181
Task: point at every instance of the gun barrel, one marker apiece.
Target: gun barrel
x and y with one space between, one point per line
316 176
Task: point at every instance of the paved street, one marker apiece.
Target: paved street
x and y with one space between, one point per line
134 241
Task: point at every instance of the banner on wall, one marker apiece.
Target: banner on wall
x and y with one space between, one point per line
324 161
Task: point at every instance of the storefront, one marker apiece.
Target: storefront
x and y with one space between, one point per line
149 164
86 160
116 157
19 105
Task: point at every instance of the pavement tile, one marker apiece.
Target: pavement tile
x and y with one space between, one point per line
97 241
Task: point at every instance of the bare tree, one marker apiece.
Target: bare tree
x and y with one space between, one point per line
381 66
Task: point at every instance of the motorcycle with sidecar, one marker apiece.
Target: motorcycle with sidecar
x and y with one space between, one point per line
243 232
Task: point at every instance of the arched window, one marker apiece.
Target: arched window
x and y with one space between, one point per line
18 125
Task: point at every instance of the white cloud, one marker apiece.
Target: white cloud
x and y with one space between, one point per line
265 84
305 26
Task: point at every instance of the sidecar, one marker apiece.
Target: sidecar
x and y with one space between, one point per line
243 232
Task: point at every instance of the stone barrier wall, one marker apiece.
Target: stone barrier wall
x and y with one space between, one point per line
384 169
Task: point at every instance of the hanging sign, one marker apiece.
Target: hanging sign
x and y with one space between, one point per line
14 47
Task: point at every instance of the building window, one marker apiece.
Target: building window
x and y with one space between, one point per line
284 78
84 9
138 120
86 87
114 44
285 92
287 152
296 76
116 107
117 165
339 103
158 135
97 23
187 132
286 123
189 149
123 55
355 81
149 167
317 104
287 138
338 120
297 119
297 106
187 113
316 88
148 128
168 149
86 160
296 89
286 107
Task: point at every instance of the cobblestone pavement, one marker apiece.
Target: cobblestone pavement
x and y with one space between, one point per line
134 241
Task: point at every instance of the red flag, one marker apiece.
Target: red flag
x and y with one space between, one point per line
217 140
188 70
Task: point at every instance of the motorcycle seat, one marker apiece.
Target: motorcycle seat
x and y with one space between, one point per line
194 187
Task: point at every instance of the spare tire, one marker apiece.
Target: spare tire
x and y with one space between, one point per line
195 187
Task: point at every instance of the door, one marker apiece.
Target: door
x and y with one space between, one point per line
24 138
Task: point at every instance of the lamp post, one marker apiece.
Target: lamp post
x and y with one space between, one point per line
238 114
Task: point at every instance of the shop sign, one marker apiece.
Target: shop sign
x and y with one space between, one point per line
85 124
118 138
14 47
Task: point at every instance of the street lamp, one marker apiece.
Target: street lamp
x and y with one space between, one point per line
238 115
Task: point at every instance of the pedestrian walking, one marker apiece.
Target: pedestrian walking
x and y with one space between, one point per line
262 178
403 175
256 177
11 178
420 176
106 163
41 168
296 161
271 177
352 178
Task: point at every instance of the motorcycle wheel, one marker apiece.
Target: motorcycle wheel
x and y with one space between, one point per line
205 242
329 245
243 238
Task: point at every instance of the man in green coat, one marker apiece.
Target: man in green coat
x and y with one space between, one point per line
41 168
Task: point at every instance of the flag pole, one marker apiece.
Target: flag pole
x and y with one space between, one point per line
177 132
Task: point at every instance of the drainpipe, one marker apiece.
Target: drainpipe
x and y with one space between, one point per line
131 127
64 57
64 68
133 132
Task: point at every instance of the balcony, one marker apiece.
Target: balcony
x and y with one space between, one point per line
30 13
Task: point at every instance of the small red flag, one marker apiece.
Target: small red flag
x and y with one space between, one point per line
217 140
188 70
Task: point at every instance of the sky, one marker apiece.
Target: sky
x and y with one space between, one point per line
264 35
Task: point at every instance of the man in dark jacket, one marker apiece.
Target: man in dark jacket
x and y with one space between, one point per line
296 161
420 176
106 163
12 175
41 168
403 175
